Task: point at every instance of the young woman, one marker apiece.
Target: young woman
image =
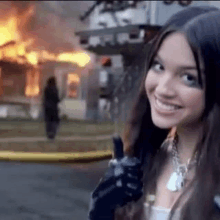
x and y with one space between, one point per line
173 136
50 102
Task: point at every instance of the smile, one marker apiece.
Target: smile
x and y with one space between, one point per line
165 107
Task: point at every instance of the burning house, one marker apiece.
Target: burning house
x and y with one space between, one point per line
37 42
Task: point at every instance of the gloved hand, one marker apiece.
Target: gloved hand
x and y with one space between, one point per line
217 202
122 183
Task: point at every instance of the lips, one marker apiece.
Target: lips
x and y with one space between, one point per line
164 106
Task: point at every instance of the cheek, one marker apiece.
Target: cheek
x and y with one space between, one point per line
200 104
150 82
195 101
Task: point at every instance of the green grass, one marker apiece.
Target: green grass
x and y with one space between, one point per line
36 129
58 146
67 128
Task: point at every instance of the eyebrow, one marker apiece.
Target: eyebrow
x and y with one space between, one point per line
184 67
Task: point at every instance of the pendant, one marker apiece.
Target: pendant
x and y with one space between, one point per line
171 185
180 182
176 182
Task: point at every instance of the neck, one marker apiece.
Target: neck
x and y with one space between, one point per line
187 140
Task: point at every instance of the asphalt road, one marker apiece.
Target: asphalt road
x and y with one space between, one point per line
47 192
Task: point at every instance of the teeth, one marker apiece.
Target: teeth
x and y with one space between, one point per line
165 106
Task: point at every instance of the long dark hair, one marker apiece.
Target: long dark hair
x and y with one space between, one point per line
51 81
143 139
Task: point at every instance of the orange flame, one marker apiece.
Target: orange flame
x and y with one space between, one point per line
32 83
80 58
8 31
73 83
15 49
12 47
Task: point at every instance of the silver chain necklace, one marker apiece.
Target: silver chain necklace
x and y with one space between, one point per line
177 179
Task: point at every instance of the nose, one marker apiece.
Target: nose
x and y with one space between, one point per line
166 86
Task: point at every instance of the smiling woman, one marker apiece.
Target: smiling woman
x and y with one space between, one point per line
171 166
172 85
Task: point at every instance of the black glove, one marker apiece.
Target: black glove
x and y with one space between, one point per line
122 183
217 202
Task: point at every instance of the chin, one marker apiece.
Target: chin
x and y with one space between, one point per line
163 124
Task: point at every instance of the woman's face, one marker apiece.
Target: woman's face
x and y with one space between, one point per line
172 86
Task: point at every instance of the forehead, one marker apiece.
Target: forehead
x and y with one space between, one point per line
176 51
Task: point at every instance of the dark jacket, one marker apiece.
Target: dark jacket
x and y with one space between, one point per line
50 103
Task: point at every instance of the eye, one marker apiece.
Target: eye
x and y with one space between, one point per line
190 79
156 66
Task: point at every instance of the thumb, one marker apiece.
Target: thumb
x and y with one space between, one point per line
118 147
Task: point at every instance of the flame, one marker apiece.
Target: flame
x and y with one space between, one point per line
14 48
80 58
14 51
73 78
32 83
32 57
73 83
8 31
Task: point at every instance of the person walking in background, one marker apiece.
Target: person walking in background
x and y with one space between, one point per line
50 105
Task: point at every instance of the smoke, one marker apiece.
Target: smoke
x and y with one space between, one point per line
50 23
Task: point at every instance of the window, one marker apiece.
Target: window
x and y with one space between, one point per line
73 82
32 83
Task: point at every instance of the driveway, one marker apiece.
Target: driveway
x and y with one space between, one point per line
45 191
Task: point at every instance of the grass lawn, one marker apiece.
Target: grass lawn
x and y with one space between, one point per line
58 146
67 128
